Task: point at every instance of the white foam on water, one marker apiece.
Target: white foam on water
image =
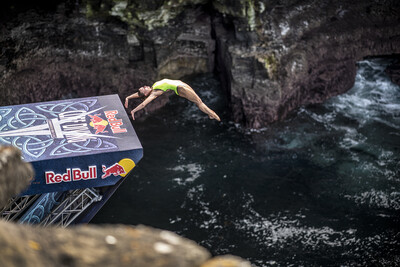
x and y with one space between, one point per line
206 218
387 123
373 101
190 173
212 215
195 191
326 118
283 230
279 229
351 138
377 199
373 95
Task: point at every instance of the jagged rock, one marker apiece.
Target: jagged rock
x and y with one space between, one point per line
117 245
226 261
52 57
105 245
148 14
185 47
64 55
15 174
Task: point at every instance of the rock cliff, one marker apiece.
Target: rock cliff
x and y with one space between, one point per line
272 56
283 54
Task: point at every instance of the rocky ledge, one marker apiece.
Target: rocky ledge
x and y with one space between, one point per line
272 56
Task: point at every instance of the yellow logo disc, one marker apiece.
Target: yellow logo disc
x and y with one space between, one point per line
127 164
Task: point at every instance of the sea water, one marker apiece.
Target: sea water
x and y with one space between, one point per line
319 188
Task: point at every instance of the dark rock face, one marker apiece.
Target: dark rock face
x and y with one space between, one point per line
283 55
393 71
74 58
272 56
64 55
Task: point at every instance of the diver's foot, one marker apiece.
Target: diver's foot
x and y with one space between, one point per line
214 117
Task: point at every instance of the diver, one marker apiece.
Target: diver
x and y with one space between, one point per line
180 88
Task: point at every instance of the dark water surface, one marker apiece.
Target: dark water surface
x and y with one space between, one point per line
320 188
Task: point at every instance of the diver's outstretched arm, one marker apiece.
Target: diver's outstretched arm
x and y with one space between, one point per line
151 97
135 95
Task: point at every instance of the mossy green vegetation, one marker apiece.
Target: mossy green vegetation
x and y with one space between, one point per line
150 15
250 14
249 10
271 64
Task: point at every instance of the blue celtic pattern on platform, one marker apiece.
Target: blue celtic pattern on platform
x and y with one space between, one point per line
34 144
41 208
23 118
4 112
55 109
65 148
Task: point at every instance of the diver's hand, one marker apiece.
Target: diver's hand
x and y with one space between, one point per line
133 115
126 102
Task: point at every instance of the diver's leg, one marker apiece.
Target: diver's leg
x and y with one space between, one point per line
188 93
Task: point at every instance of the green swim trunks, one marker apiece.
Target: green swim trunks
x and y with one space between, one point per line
167 84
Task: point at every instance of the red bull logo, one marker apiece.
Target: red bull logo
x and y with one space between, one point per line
75 174
115 123
115 170
98 123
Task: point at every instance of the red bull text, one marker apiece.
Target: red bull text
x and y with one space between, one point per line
115 123
75 174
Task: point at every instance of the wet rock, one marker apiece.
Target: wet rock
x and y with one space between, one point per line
105 245
226 261
393 71
116 245
15 174
138 13
185 47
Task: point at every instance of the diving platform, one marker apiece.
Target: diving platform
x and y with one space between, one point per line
81 151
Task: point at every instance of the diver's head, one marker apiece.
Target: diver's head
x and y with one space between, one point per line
145 91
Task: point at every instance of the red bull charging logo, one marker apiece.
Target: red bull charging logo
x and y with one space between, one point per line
115 170
123 167
98 123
